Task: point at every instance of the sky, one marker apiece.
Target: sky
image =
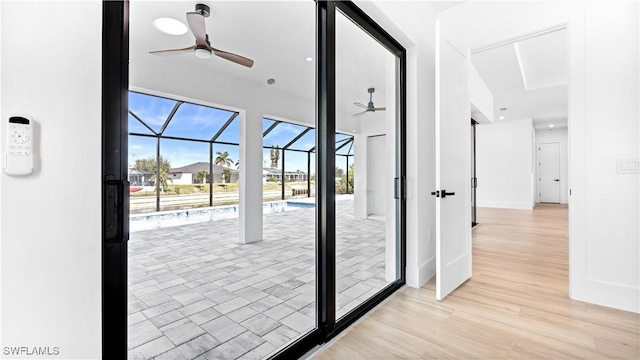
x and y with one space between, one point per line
202 122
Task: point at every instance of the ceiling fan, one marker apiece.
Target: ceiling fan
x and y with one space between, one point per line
370 107
202 48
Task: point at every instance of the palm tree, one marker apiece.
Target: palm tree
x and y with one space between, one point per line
226 175
223 159
201 176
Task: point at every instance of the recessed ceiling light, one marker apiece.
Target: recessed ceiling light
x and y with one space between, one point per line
551 125
503 109
170 26
501 117
309 59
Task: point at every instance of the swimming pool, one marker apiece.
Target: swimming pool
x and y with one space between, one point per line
163 219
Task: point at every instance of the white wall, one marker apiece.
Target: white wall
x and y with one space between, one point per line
481 97
503 164
376 175
51 221
559 136
603 126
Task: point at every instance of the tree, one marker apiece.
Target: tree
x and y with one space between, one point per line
226 176
274 154
339 172
223 159
150 165
164 179
201 176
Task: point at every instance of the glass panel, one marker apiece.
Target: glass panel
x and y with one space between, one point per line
231 134
366 241
226 175
266 124
345 147
142 173
193 283
183 166
306 142
153 110
296 164
193 121
282 134
136 126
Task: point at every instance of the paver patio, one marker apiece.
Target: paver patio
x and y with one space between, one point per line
195 292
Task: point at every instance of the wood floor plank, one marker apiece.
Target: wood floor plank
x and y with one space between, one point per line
515 306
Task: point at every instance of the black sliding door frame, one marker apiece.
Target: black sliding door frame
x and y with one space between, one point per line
115 187
115 89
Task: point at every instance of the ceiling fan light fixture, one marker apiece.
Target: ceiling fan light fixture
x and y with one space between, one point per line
203 53
170 26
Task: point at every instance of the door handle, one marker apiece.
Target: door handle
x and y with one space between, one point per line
556 179
442 193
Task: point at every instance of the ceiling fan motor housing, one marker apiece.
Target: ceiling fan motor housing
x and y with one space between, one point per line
203 10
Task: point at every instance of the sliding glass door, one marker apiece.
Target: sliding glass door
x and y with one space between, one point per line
367 170
267 200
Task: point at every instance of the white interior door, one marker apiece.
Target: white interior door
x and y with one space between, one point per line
549 172
453 169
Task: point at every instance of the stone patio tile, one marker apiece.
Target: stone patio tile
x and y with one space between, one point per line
260 352
231 305
197 306
161 309
190 349
166 318
151 349
135 318
279 311
260 324
298 322
205 316
235 347
223 328
187 297
141 333
281 336
242 314
181 331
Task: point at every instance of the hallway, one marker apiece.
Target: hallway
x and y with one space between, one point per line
516 304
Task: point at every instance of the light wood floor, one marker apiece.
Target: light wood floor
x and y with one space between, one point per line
515 306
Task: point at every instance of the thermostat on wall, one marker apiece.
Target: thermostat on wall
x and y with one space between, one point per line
18 152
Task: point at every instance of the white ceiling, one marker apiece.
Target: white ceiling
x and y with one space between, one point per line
278 36
528 78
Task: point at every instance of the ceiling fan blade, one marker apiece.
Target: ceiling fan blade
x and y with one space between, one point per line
360 113
197 27
360 104
380 109
173 52
233 57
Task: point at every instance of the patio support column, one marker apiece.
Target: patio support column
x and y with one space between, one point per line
250 212
360 177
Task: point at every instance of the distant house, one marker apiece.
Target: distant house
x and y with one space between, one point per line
275 174
187 174
140 177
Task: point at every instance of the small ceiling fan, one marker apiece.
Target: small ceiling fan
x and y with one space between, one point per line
202 48
370 107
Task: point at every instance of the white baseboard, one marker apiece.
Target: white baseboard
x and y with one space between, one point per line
505 205
606 294
418 276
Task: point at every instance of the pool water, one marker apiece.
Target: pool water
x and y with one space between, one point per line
163 219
